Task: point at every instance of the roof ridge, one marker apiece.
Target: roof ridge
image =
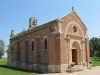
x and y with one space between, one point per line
65 15
80 19
76 15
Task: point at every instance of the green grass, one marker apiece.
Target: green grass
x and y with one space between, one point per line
95 61
5 70
3 61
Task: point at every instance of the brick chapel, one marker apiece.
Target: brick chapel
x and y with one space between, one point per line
52 46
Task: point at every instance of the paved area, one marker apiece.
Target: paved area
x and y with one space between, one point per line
93 71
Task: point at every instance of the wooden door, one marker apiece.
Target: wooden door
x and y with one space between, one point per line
74 56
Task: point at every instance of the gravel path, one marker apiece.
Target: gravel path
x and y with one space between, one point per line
93 71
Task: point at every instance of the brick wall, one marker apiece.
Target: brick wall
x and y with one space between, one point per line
57 47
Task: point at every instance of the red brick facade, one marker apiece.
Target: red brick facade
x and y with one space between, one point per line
60 36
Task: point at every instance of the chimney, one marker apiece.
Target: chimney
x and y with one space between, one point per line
12 34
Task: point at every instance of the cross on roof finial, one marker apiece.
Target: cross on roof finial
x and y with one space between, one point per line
72 8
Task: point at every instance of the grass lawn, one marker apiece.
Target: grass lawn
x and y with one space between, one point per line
95 61
4 70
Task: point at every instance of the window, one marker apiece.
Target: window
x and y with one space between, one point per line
12 48
45 43
26 51
32 45
33 22
18 46
18 51
74 29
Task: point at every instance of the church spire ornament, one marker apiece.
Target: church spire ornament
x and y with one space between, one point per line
72 8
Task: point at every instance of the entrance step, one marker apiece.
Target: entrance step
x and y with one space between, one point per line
77 68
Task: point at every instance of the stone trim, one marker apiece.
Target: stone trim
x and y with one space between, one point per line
73 36
57 68
36 29
65 15
13 43
72 22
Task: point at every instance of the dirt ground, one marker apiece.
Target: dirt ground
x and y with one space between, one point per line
93 71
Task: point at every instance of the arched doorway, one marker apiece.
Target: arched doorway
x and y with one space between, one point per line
76 52
74 56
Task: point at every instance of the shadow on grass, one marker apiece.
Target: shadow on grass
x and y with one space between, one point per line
18 69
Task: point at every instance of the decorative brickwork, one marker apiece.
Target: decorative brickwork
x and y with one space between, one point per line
52 46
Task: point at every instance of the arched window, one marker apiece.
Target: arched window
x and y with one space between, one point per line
33 22
18 46
26 51
18 51
45 43
11 48
32 45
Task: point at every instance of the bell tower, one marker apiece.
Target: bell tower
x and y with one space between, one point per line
32 22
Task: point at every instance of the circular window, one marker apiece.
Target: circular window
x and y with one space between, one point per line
74 29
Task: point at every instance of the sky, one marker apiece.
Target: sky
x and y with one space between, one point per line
15 14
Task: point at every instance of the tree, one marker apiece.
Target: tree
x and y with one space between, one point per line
94 47
99 48
91 49
2 48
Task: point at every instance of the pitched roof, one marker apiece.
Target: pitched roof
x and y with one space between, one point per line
34 29
76 15
48 24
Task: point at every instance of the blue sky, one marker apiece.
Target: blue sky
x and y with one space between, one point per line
15 14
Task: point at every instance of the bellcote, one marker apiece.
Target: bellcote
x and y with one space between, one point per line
32 22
